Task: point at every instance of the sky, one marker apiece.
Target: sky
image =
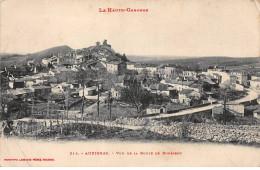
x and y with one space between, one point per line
170 28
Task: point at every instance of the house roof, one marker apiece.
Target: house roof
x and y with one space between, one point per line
186 83
153 86
256 74
195 85
114 62
163 87
118 88
154 106
19 91
190 78
210 77
257 80
132 77
131 72
256 111
99 65
160 87
208 81
41 87
186 91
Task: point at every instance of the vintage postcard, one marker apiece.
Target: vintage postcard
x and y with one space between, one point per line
130 83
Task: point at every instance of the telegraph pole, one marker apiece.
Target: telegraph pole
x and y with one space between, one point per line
98 93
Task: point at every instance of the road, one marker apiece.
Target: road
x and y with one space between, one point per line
252 95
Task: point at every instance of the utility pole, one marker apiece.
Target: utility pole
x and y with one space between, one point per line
96 71
225 109
98 100
109 104
97 92
32 108
67 104
83 100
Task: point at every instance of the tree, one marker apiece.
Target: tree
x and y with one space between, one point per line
225 93
83 76
97 74
5 98
136 96
110 80
144 73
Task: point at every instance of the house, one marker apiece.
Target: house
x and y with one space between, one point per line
51 60
223 77
156 109
255 84
241 77
15 71
169 71
100 67
41 91
189 74
166 71
186 96
239 87
88 91
70 59
255 76
152 69
213 78
116 67
17 83
79 58
132 80
21 93
217 110
249 110
208 84
163 89
256 113
116 92
215 69
32 66
60 88
178 85
217 77
131 72
46 61
130 66
197 87
258 99
189 78
236 109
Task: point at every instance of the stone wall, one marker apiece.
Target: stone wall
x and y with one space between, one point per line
211 132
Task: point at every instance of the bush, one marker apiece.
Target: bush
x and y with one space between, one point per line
224 118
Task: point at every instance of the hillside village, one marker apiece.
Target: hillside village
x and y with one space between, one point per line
96 83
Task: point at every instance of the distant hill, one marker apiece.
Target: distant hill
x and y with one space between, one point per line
159 58
8 59
200 61
48 52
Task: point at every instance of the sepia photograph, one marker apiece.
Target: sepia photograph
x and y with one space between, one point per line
116 83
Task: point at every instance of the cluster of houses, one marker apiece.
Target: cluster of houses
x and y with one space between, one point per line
180 86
